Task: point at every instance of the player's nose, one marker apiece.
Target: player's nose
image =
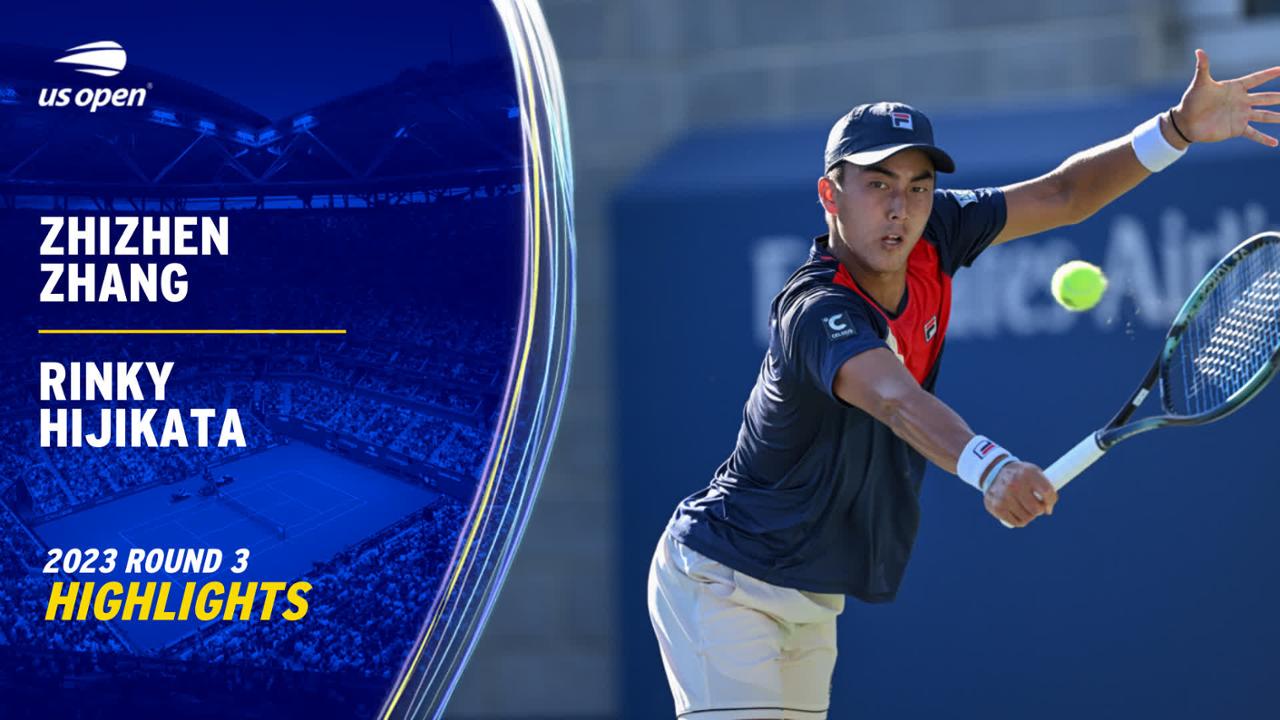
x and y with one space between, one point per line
897 208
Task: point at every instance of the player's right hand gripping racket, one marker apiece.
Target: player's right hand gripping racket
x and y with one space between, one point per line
1223 348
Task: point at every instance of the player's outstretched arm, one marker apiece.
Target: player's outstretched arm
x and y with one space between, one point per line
876 382
1210 111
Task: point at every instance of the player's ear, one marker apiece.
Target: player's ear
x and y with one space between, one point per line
827 194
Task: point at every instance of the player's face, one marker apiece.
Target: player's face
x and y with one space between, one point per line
881 210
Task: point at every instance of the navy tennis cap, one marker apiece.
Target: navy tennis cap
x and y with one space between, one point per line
871 133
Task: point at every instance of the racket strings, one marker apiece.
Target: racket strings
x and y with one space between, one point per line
1231 337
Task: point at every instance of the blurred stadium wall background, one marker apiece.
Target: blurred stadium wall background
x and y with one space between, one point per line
639 75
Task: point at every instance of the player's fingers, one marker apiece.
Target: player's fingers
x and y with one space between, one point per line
1267 116
1004 508
1044 492
1264 99
1202 67
1026 504
1253 80
1013 517
1259 137
1045 506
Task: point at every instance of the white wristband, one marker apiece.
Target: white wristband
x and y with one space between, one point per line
1153 151
977 456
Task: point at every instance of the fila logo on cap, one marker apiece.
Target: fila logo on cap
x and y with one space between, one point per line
902 120
105 59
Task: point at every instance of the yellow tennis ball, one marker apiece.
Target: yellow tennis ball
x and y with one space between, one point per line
1078 285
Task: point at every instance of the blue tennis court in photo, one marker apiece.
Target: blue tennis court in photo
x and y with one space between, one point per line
323 501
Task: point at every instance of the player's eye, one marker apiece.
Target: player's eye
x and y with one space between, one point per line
878 184
919 189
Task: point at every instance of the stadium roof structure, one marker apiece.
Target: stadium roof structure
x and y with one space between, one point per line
433 130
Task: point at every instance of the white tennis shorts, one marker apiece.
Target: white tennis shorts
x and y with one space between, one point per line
738 648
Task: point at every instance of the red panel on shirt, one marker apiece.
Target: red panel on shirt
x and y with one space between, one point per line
921 326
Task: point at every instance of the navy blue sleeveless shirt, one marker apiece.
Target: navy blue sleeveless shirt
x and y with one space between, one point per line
818 495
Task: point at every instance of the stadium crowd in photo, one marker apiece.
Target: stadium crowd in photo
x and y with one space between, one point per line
363 449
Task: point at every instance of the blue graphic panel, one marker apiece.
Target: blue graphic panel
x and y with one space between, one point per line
288 297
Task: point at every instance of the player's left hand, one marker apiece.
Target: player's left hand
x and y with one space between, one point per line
1213 110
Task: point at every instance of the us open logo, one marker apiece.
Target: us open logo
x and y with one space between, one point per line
105 58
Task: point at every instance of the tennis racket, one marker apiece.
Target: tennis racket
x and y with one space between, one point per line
1223 348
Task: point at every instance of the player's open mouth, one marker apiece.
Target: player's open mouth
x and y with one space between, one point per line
891 240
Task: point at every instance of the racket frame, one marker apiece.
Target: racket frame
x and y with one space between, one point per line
1093 446
1115 431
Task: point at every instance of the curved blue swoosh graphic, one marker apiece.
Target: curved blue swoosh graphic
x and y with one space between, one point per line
535 387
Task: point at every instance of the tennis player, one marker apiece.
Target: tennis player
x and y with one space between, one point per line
819 498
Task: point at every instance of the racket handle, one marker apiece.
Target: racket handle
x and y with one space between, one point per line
1075 461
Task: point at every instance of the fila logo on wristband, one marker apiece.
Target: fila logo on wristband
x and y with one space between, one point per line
979 454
